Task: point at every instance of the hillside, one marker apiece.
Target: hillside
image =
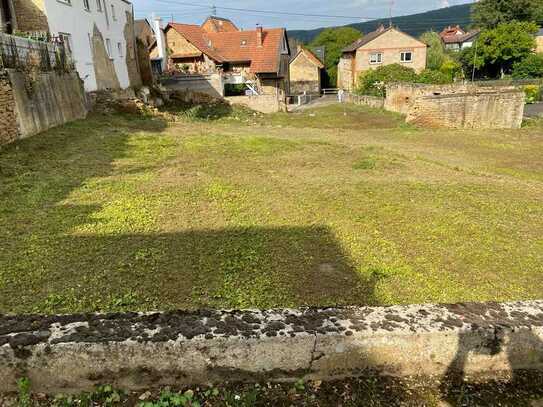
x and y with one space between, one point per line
414 24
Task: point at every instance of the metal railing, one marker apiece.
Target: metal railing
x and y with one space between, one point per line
330 91
24 53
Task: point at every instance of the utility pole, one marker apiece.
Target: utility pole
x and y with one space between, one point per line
213 10
474 61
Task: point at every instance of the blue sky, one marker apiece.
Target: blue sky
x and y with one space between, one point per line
195 11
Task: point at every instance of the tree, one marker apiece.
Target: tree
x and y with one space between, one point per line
432 76
529 67
374 82
334 40
490 13
436 51
498 49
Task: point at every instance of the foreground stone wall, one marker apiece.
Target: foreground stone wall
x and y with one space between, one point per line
47 100
209 84
457 105
137 351
9 131
260 103
371 101
492 110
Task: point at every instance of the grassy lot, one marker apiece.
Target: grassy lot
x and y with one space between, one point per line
330 207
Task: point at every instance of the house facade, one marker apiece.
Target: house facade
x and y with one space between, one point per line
257 59
456 39
385 46
305 72
539 41
99 34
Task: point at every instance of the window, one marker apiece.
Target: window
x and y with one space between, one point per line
99 5
66 40
108 47
243 43
406 56
376 58
68 2
120 48
113 15
86 5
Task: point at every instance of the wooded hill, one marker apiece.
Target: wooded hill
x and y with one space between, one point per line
414 24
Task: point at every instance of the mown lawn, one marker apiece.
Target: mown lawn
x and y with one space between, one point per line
328 207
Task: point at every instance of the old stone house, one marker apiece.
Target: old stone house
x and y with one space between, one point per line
257 59
305 72
456 39
384 46
99 34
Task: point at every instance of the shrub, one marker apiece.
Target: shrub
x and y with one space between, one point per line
434 77
374 82
452 68
533 93
529 67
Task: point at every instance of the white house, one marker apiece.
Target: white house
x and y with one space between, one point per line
85 25
98 33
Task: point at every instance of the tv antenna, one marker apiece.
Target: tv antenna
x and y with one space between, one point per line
213 10
391 6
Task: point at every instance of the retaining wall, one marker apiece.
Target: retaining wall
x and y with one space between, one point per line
260 103
371 101
137 351
209 84
487 110
9 131
466 105
47 100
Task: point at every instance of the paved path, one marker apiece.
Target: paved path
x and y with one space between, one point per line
319 102
534 110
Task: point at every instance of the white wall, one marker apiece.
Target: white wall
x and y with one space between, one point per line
73 19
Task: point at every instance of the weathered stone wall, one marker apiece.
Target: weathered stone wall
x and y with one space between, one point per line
260 103
48 100
30 15
211 84
9 131
475 110
136 351
371 101
304 76
131 57
345 72
104 68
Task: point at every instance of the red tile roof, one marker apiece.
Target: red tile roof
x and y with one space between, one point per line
238 46
219 24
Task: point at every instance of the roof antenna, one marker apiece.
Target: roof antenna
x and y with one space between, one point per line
390 13
213 10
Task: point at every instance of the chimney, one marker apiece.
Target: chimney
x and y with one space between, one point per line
160 42
259 36
381 28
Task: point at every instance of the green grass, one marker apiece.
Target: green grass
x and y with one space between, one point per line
316 208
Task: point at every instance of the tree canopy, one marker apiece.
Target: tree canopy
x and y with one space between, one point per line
498 49
490 13
436 52
529 67
334 40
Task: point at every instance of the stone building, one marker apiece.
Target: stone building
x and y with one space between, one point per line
257 59
305 72
99 34
384 46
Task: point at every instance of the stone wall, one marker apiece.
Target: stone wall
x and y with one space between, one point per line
47 100
210 84
138 351
30 15
475 110
104 68
466 105
131 57
371 101
9 131
260 103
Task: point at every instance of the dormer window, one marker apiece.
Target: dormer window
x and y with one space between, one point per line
243 43
209 43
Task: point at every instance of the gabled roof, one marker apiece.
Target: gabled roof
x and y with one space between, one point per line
366 39
310 55
196 36
459 39
219 24
237 46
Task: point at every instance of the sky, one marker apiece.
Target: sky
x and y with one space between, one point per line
268 12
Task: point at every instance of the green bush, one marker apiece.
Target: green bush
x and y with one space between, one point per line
533 93
434 77
452 68
374 82
529 67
